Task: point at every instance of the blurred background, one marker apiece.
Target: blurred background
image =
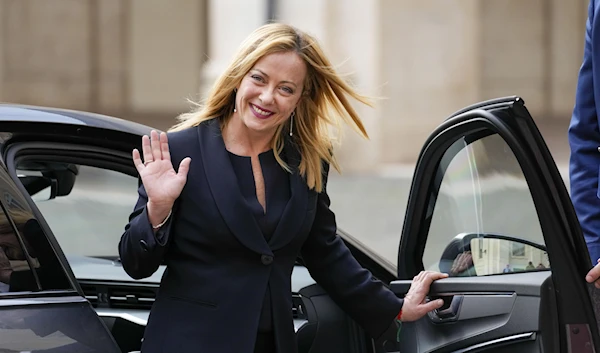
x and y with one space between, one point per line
142 59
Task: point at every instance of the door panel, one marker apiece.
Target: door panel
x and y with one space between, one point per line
488 206
496 310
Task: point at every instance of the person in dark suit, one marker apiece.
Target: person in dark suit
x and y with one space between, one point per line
248 198
584 138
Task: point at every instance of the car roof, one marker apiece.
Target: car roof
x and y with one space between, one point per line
38 114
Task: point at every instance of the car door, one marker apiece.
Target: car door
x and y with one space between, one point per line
79 181
488 206
41 305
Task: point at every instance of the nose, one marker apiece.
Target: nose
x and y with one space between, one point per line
266 96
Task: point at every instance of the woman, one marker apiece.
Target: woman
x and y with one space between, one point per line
248 198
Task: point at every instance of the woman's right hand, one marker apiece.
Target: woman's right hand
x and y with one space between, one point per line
162 183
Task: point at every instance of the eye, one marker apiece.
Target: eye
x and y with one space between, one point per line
257 78
287 90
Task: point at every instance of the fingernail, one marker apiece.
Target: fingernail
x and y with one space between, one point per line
440 302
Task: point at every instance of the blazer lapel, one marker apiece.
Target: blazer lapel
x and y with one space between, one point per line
295 210
225 189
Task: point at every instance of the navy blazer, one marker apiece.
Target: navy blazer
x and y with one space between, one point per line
219 263
584 138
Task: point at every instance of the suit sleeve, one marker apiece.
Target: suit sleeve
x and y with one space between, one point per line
584 140
141 250
353 288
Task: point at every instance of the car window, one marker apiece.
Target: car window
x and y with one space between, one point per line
27 260
483 219
371 209
86 207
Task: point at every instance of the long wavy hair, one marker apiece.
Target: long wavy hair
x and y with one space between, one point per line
324 103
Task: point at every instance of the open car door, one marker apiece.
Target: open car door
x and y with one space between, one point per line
489 207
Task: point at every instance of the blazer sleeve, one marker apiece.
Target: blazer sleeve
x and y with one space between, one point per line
584 140
141 250
353 288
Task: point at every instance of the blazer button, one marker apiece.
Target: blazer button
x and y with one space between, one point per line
144 245
266 259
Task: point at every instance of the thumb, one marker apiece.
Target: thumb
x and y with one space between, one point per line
184 167
593 274
430 306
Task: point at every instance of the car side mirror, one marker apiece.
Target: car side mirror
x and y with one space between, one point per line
477 254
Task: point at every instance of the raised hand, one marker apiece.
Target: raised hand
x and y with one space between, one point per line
162 183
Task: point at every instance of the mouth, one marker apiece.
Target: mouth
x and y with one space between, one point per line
259 112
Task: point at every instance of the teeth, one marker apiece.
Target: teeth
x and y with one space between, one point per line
260 111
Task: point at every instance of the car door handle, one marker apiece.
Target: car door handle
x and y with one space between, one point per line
449 311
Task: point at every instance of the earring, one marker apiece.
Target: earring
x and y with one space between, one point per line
234 108
292 123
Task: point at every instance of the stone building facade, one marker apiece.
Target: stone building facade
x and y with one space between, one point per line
423 59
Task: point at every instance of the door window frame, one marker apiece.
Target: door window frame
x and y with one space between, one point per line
432 165
93 156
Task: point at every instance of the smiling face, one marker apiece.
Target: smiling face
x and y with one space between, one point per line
269 92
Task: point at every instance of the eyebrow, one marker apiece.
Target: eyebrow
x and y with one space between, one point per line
264 73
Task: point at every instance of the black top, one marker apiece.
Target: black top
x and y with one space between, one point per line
277 195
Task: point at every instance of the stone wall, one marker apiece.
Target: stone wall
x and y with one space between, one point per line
420 59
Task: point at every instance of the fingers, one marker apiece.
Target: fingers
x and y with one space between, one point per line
434 276
422 282
164 146
155 146
430 306
137 160
593 275
147 149
427 277
419 277
184 167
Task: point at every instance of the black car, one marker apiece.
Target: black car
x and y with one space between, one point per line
487 205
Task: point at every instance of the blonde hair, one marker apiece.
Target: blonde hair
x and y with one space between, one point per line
324 102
